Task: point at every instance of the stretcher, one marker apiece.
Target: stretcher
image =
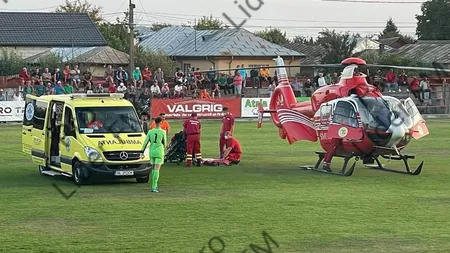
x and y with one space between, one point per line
215 162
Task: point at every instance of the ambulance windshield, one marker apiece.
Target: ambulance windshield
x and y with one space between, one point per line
107 120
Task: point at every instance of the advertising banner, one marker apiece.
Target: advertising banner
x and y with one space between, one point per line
250 106
11 110
205 108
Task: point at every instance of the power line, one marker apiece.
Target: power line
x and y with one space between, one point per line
374 2
179 16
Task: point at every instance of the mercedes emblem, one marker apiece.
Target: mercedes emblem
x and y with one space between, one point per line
123 155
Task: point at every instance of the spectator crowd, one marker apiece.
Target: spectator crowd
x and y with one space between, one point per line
140 86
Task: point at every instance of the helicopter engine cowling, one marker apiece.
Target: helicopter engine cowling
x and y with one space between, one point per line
398 129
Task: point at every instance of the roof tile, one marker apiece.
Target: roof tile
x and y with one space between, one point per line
34 29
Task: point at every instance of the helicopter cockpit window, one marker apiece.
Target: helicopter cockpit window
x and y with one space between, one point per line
345 114
375 113
325 113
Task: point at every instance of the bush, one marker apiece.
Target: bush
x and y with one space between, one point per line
154 60
10 62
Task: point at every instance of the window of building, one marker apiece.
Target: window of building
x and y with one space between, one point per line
186 67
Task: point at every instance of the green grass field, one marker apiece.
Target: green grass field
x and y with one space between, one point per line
371 211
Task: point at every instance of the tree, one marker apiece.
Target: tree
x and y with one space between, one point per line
434 23
154 60
337 46
304 40
274 35
209 23
77 6
390 30
393 59
159 26
116 34
50 61
10 62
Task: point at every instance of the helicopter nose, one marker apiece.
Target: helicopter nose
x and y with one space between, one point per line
398 130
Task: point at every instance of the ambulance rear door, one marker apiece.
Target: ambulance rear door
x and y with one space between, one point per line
27 124
39 132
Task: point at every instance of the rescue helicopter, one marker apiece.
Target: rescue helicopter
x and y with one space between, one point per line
351 119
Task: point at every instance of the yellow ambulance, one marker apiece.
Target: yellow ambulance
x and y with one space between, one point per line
85 136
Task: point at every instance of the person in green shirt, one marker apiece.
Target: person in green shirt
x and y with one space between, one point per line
137 77
40 89
68 89
157 138
328 79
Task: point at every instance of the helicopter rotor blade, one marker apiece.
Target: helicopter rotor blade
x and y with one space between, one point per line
337 65
436 69
274 67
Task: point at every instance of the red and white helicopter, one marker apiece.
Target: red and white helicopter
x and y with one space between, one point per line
351 119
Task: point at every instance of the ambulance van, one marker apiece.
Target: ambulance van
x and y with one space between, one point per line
85 136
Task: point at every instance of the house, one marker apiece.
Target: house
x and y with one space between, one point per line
394 42
314 55
428 52
31 33
96 59
221 49
366 44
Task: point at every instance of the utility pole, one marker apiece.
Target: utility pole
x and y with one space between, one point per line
131 26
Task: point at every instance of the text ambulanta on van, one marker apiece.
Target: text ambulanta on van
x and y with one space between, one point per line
85 136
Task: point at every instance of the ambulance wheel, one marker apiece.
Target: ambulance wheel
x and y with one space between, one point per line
78 174
143 179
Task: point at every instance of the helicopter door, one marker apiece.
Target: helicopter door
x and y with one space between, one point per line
345 123
419 128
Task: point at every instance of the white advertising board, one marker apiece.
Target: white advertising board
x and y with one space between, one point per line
11 110
249 106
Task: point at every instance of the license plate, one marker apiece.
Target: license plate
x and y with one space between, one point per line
124 173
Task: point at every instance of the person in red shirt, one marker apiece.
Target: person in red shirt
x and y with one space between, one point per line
227 125
414 86
233 153
391 79
191 128
147 77
25 75
112 88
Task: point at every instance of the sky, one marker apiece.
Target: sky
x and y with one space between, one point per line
296 17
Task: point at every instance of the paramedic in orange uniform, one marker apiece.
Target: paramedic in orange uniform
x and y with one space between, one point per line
227 125
192 128
233 152
164 124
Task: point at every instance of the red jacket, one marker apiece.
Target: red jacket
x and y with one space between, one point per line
391 77
234 145
24 75
414 84
192 126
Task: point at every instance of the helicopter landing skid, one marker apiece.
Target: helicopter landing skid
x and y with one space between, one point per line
404 158
344 171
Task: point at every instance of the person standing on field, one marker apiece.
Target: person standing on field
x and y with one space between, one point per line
227 125
164 124
191 129
158 144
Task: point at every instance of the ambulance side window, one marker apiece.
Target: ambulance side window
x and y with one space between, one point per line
40 112
69 125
